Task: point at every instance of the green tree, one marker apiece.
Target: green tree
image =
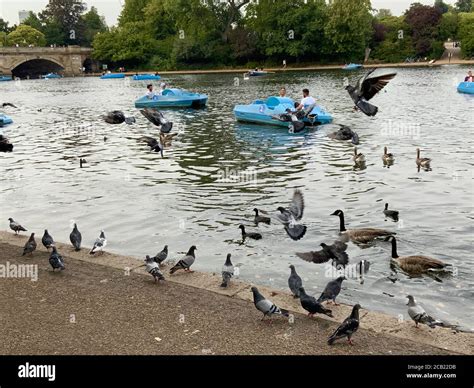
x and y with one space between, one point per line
466 34
133 11
4 26
382 13
441 5
448 27
349 28
25 35
65 15
395 45
93 24
464 6
33 21
423 21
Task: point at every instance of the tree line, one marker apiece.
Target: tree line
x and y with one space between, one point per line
174 34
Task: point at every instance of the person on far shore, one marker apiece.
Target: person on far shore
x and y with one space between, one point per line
469 77
282 92
307 100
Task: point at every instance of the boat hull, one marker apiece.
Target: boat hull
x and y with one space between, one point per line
260 112
113 76
5 120
145 77
5 78
173 98
466 87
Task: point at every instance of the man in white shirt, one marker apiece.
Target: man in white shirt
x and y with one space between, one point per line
150 94
307 100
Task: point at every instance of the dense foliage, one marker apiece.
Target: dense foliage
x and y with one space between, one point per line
168 34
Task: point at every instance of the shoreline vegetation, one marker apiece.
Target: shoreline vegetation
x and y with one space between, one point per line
109 305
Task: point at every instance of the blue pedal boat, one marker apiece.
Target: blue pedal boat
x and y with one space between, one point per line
352 66
466 87
5 120
255 73
6 78
146 77
263 112
52 76
173 98
112 76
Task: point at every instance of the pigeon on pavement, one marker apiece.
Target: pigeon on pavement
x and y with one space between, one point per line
30 245
311 305
99 244
153 268
76 238
332 290
47 240
16 227
56 260
348 327
419 315
294 282
186 262
266 306
227 271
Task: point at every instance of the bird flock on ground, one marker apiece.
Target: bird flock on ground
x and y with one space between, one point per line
290 218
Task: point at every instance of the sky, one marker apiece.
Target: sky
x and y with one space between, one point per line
111 8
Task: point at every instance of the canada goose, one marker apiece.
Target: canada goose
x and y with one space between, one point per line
361 235
393 214
414 265
422 162
387 158
359 158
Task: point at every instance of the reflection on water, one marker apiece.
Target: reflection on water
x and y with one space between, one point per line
217 171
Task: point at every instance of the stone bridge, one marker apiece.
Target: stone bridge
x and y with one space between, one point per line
35 61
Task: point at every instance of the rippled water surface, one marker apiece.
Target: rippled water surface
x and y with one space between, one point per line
144 202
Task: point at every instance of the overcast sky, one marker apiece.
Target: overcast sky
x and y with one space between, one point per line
111 8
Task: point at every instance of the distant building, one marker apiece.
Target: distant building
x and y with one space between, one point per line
23 15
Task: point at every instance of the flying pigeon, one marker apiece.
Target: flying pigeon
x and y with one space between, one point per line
419 315
30 245
332 290
335 252
367 87
99 244
253 235
345 133
16 227
311 305
47 240
227 271
348 327
56 260
161 256
294 282
289 216
186 262
157 118
153 268
76 238
117 117
266 306
153 144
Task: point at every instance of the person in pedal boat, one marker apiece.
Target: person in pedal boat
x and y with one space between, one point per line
151 93
282 92
307 100
469 77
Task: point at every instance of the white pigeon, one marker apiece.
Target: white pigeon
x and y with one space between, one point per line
419 315
99 244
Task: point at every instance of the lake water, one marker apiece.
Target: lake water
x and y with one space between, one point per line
144 202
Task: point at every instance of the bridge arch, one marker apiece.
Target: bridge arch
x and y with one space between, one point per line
36 67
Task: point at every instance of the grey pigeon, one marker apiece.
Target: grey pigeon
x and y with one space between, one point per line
289 216
56 260
266 306
419 315
332 290
16 227
227 271
393 214
367 87
76 238
157 118
118 117
161 256
153 268
153 144
311 305
258 218
47 240
186 262
335 252
99 244
348 327
294 282
345 133
30 245
252 235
